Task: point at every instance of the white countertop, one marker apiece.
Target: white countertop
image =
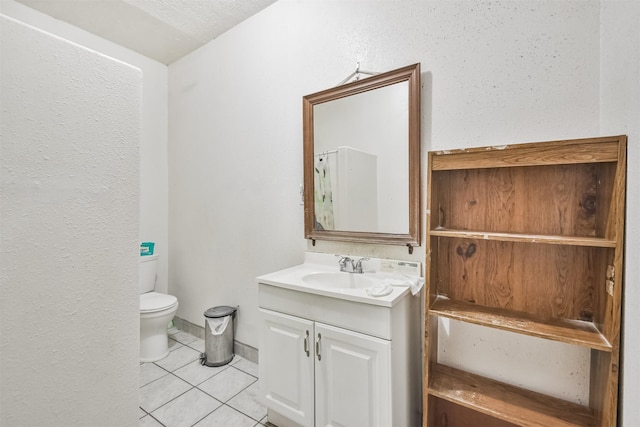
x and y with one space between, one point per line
292 278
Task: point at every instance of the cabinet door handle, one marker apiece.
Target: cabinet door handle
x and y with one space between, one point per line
306 343
318 346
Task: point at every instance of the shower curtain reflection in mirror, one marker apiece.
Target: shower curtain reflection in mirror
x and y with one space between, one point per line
323 193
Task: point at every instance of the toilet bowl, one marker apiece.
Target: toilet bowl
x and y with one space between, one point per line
156 311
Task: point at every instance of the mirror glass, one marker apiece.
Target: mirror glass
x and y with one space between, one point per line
362 160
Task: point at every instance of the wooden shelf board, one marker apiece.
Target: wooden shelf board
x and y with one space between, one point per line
592 150
504 401
574 332
525 238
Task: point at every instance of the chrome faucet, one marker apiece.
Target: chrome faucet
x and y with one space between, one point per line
350 265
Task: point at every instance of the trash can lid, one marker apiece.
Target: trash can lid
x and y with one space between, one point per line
220 311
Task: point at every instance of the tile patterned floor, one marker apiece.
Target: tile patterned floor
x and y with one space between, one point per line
178 391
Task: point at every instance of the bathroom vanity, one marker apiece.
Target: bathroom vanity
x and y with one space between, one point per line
331 354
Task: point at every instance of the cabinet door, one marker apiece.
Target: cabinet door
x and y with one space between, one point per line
286 366
353 378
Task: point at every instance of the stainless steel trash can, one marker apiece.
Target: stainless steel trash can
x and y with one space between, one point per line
218 340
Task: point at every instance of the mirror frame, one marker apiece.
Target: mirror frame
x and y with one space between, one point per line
411 74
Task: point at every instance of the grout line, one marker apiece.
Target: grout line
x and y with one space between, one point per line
232 397
151 382
166 370
222 404
157 420
145 413
171 373
246 415
248 373
244 372
240 412
208 413
166 403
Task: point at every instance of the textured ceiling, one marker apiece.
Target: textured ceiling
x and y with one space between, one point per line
164 30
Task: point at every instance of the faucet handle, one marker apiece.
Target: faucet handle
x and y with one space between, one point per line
342 259
358 266
342 262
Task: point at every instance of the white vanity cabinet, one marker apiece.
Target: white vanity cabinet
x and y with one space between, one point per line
321 375
337 357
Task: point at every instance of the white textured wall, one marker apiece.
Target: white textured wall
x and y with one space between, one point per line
68 233
235 166
153 124
493 73
620 114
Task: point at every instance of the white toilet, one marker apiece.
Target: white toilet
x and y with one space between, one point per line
156 311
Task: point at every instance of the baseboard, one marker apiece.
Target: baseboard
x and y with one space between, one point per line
188 327
243 350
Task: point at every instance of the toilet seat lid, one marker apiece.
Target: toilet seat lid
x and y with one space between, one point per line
154 301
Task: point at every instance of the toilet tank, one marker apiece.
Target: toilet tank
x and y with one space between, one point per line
147 273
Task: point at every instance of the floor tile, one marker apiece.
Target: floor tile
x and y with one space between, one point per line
174 345
178 358
246 366
227 384
225 416
159 392
197 345
171 400
248 402
183 337
187 409
150 372
195 373
148 421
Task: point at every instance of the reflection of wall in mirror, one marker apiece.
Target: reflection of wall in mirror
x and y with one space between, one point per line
356 207
375 122
353 187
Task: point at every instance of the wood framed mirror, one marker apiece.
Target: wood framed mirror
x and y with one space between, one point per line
362 160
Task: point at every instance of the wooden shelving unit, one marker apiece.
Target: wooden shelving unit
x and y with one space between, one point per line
526 238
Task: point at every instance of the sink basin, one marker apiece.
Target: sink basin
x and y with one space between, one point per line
319 276
338 280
